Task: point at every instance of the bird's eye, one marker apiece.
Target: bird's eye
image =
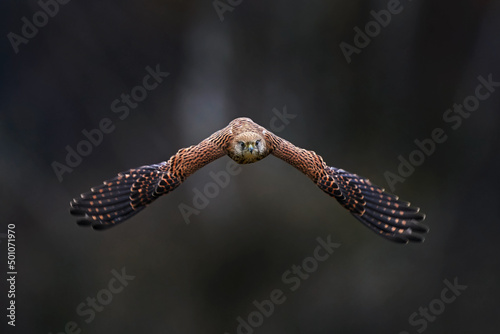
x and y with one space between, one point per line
242 145
257 142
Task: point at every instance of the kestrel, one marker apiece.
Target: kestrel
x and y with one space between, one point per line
245 142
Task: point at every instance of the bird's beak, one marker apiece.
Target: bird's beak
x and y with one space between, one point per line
250 147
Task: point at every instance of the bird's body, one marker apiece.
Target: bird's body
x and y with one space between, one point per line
247 142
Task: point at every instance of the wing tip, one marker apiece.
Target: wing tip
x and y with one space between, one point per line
96 225
99 226
415 237
84 222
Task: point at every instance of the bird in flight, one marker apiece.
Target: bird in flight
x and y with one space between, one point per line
244 141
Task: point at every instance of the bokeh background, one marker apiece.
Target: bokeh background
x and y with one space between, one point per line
360 116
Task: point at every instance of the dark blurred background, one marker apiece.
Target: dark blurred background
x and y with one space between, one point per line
260 59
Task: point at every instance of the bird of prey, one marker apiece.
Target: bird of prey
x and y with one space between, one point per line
245 142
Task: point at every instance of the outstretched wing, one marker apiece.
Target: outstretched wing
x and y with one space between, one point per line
122 197
382 212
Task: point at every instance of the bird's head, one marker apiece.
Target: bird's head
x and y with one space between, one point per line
249 147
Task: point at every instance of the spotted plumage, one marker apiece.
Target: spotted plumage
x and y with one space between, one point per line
246 142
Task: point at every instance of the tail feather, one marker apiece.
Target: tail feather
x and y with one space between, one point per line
382 212
122 197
